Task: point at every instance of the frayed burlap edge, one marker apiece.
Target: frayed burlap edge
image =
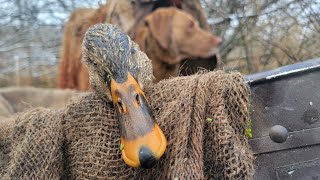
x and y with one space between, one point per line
204 118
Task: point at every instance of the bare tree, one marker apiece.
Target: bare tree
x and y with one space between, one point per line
257 35
31 32
260 35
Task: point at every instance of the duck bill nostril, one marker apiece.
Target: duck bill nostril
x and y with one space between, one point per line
146 150
146 158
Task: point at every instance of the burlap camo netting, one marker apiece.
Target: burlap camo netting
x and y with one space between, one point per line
82 140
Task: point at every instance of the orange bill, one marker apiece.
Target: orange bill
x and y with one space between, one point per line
142 139
144 150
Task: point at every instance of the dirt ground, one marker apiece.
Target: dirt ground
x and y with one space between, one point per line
18 99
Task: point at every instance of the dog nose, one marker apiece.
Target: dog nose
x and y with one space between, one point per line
218 41
146 158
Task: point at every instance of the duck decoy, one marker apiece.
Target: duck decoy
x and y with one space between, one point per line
118 71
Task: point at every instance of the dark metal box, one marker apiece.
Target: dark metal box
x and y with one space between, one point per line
288 96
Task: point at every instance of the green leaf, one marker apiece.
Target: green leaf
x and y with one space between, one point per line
121 147
121 49
248 132
209 119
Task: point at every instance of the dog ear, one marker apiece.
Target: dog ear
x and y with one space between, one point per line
160 24
140 37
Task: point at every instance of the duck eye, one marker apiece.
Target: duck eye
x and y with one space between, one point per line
120 105
138 99
107 79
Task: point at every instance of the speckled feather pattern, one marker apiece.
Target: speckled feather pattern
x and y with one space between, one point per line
110 53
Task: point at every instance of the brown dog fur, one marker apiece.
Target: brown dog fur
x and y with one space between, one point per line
166 56
168 36
72 72
71 69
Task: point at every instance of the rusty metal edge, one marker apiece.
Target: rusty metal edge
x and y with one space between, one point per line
284 71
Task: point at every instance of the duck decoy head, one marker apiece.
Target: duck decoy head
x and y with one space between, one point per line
118 71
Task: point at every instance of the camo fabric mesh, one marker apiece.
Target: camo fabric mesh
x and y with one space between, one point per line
36 143
203 117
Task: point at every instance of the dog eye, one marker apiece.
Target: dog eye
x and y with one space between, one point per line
146 23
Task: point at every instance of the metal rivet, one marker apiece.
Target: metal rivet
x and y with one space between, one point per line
278 134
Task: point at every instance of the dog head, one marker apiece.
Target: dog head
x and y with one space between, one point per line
179 32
